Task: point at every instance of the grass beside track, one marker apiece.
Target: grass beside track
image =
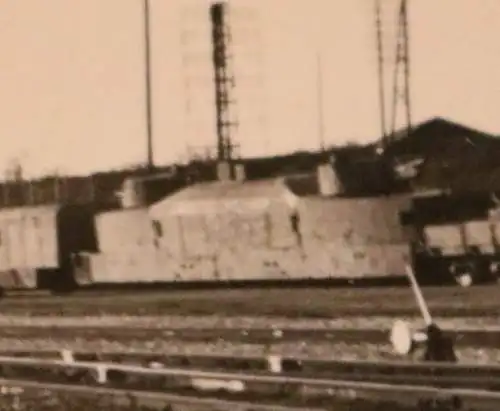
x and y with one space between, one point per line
291 302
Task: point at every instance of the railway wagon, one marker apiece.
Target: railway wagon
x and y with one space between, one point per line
457 238
279 229
36 244
271 229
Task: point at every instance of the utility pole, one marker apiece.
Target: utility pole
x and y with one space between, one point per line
321 120
381 76
147 67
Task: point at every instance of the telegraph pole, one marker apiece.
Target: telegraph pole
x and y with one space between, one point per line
381 77
321 120
147 67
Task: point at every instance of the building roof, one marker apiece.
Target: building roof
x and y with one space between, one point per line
454 157
431 137
440 150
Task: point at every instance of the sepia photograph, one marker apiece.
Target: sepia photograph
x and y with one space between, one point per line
251 205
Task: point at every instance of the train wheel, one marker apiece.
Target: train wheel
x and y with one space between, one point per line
494 271
464 274
464 279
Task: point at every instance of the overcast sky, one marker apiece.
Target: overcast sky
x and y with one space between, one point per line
72 75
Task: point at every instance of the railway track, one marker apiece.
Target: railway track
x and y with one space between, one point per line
445 375
461 338
286 302
252 390
133 399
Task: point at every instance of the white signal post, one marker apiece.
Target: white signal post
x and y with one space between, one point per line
417 291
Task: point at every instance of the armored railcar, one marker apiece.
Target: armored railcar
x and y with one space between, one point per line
277 229
37 242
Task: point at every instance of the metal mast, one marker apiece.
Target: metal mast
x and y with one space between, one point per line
224 80
147 67
381 77
401 92
321 120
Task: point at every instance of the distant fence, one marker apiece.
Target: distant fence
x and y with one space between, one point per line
100 190
360 172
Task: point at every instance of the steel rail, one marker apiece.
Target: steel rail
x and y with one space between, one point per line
462 338
443 301
255 309
347 310
437 374
290 390
155 399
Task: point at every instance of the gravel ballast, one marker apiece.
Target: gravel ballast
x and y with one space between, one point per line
335 351
158 322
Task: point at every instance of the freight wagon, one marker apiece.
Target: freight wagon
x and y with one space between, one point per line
455 237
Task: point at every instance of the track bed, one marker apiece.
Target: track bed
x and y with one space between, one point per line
309 302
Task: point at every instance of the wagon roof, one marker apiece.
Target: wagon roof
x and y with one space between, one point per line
209 197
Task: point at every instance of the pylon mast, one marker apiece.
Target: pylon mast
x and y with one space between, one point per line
401 92
224 80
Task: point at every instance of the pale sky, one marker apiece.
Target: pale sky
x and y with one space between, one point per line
72 76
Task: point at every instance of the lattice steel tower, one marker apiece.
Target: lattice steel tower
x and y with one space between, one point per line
401 96
224 80
401 92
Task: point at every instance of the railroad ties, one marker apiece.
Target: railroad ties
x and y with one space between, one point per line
311 384
277 382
